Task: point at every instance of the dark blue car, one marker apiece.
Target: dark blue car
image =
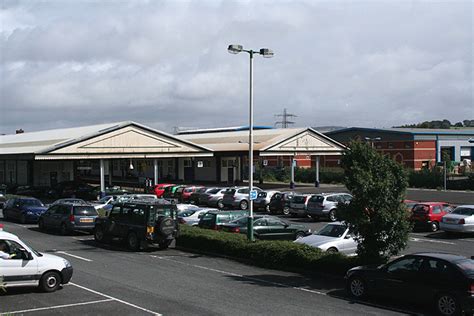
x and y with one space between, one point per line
24 209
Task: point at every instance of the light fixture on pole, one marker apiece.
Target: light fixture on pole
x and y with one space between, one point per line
267 53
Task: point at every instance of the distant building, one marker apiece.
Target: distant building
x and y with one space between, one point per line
413 147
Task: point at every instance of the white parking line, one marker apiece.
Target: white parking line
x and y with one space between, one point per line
287 286
55 307
115 299
74 256
432 241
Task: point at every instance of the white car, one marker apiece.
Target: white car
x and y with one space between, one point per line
106 200
334 237
191 217
461 220
28 267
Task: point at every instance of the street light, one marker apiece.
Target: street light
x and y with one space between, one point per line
267 53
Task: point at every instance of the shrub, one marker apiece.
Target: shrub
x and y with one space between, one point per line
284 255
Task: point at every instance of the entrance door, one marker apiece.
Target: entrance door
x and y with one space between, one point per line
230 175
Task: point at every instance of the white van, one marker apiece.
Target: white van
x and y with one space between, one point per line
28 267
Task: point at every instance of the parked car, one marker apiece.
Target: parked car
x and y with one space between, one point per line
30 190
429 214
3 199
24 209
194 198
267 227
77 189
298 205
237 197
444 281
70 201
212 197
325 205
173 192
105 201
191 217
186 195
262 202
333 237
140 223
159 189
409 204
186 207
49 271
280 202
215 219
114 190
461 220
68 217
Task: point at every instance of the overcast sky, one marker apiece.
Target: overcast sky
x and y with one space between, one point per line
165 63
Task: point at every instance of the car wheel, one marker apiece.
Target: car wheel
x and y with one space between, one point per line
132 242
332 215
434 227
299 235
41 225
50 281
332 250
244 205
23 219
357 287
164 244
220 204
286 210
63 229
447 305
99 234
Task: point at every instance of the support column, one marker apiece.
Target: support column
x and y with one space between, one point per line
316 183
102 180
292 182
155 171
111 171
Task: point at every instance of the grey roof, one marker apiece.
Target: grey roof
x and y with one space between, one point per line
45 141
412 131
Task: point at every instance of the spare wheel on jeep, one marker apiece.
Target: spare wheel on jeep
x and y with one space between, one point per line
165 226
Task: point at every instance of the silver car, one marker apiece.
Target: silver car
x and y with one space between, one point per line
298 205
237 197
262 202
191 217
461 220
334 237
212 197
325 204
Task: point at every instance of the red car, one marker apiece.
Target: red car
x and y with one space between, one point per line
428 214
186 195
409 204
159 189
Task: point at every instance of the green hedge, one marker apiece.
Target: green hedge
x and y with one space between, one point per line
434 179
283 255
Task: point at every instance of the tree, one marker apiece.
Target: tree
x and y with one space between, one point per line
376 212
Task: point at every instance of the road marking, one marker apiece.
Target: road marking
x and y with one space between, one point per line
74 256
432 241
56 307
115 299
290 286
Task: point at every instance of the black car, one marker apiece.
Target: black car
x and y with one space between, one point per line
445 281
280 203
67 217
139 223
76 189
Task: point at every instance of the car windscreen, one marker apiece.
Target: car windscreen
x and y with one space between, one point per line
467 266
317 199
31 202
187 190
276 196
85 211
299 199
105 199
421 209
229 191
464 211
332 231
213 191
186 213
242 221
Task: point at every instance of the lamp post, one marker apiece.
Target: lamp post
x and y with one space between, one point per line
267 53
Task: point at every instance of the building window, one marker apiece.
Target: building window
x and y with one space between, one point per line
187 163
206 163
390 145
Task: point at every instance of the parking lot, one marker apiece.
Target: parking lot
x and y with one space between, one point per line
110 279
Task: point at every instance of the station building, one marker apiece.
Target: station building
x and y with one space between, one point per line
129 151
